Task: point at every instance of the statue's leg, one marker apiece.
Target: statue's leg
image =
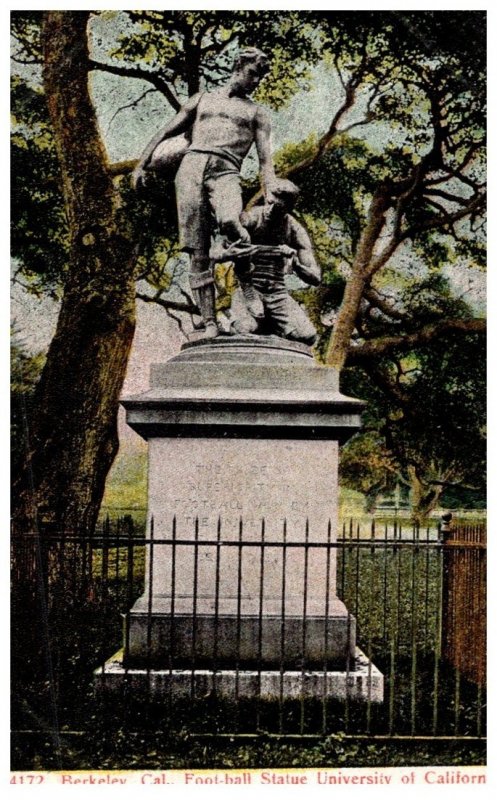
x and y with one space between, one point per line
253 301
242 320
287 318
225 197
300 327
204 293
226 201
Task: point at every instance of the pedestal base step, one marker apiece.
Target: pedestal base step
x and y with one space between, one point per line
225 639
363 682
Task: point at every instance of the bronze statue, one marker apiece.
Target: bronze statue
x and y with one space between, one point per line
220 127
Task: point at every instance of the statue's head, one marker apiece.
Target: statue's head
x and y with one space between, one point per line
250 67
284 194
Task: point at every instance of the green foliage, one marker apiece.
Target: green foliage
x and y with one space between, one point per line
435 427
425 408
25 370
347 172
193 48
39 229
25 28
126 485
367 466
448 394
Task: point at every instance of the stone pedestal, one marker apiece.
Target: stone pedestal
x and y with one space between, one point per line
243 437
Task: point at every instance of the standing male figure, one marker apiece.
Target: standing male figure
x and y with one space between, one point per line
224 124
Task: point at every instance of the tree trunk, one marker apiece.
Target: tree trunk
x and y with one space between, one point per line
357 282
73 431
424 497
345 322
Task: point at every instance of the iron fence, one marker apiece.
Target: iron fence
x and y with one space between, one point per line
71 594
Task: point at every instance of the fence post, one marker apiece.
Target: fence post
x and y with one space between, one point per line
446 526
447 605
464 598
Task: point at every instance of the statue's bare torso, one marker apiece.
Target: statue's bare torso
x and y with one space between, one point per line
224 122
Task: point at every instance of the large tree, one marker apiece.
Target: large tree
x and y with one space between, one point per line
414 193
73 430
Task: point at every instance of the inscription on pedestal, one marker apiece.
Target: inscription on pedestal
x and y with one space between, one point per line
252 491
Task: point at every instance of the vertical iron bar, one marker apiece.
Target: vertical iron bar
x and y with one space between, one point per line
194 610
385 586
171 620
304 626
427 586
479 704
127 619
371 616
349 628
118 553
357 572
282 628
238 622
342 569
324 724
104 574
216 609
457 702
150 601
105 562
261 603
394 638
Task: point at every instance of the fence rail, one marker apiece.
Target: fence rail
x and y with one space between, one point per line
400 585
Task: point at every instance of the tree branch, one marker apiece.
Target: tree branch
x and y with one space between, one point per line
132 104
440 220
452 198
375 299
142 74
324 142
169 305
385 345
389 387
26 61
219 47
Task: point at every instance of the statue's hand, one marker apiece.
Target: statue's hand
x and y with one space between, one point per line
138 178
291 257
244 236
